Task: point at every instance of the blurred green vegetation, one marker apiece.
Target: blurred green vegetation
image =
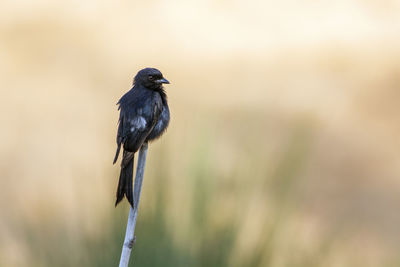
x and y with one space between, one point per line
208 245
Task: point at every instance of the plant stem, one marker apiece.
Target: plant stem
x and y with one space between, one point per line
130 238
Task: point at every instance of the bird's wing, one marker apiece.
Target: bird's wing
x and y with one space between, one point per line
137 120
132 131
130 106
136 126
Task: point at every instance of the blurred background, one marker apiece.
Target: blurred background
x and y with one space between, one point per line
283 149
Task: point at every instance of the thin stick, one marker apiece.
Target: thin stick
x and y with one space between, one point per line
130 238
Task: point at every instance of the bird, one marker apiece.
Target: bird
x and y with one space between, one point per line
144 117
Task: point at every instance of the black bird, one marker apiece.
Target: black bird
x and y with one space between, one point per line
144 116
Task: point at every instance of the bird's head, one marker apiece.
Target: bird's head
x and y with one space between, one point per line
150 78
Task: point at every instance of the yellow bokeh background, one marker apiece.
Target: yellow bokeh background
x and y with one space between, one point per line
283 148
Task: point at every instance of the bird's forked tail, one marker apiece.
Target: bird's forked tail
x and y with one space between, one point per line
126 178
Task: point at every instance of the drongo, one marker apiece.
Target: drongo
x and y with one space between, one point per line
144 116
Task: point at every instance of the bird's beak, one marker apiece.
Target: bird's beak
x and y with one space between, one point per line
163 80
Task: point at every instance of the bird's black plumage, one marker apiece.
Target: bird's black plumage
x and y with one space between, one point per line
144 116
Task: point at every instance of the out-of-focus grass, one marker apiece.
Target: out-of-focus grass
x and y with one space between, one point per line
210 238
282 149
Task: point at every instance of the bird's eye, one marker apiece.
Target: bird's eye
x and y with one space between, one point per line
151 77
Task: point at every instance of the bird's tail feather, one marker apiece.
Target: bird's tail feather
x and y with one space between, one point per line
125 186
